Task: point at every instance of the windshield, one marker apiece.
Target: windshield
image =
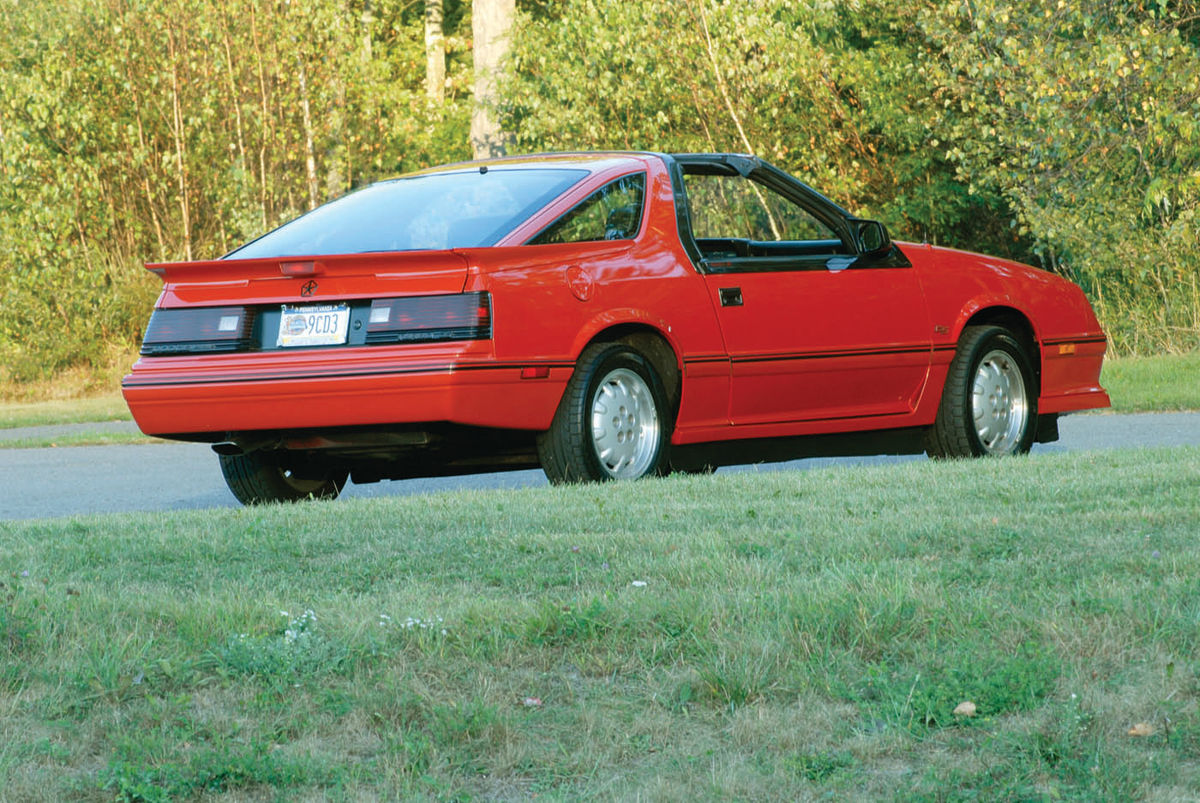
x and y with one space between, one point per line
437 211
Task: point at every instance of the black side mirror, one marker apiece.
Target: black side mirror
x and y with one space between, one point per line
872 237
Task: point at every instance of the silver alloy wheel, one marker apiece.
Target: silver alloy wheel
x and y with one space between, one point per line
625 428
999 403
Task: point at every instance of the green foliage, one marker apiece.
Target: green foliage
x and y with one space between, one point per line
921 694
826 90
299 650
20 609
224 767
821 766
1063 134
1083 116
180 129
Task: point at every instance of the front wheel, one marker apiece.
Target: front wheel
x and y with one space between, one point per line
989 403
612 422
259 478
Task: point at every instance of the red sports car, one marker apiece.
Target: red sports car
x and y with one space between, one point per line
604 315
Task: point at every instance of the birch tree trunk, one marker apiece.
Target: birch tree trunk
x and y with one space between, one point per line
310 157
366 18
266 132
151 198
178 133
435 52
491 23
234 99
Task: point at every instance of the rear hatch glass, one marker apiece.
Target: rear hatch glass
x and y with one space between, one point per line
467 209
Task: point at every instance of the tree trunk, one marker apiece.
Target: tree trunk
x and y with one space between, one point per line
266 134
435 52
234 100
310 158
178 134
491 24
151 198
366 18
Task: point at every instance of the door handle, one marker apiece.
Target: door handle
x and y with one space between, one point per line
731 296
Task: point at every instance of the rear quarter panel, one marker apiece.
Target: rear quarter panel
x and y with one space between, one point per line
550 301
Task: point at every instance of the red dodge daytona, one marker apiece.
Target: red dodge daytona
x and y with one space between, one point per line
604 315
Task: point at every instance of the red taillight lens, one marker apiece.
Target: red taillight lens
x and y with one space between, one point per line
467 316
308 268
198 330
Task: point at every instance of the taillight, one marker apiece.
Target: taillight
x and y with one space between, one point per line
423 319
198 330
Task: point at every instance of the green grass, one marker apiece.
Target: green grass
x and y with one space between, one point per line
1144 384
63 411
82 438
771 636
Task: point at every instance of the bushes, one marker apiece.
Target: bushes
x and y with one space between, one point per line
179 130
1064 135
1083 117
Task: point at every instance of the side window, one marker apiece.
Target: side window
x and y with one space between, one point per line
735 208
613 212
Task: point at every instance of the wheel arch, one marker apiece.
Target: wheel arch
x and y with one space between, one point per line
655 345
1016 322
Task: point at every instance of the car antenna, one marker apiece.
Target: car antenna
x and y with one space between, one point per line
482 169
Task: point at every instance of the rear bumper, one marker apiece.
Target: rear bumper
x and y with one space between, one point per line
338 388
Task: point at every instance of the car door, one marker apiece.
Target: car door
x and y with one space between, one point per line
813 332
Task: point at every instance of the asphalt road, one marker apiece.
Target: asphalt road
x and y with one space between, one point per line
51 482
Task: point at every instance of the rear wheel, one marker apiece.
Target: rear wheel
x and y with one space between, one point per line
260 477
612 421
989 403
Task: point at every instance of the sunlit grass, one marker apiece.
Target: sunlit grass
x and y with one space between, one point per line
1144 384
83 437
63 411
774 635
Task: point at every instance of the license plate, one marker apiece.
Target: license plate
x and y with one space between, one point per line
317 325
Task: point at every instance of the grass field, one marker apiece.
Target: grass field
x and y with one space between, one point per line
88 410
1145 384
81 438
772 636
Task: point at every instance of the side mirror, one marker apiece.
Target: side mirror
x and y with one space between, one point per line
872 237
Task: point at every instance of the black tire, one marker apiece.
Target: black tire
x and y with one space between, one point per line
989 403
585 443
261 478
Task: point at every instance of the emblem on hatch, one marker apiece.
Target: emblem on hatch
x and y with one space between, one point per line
308 288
